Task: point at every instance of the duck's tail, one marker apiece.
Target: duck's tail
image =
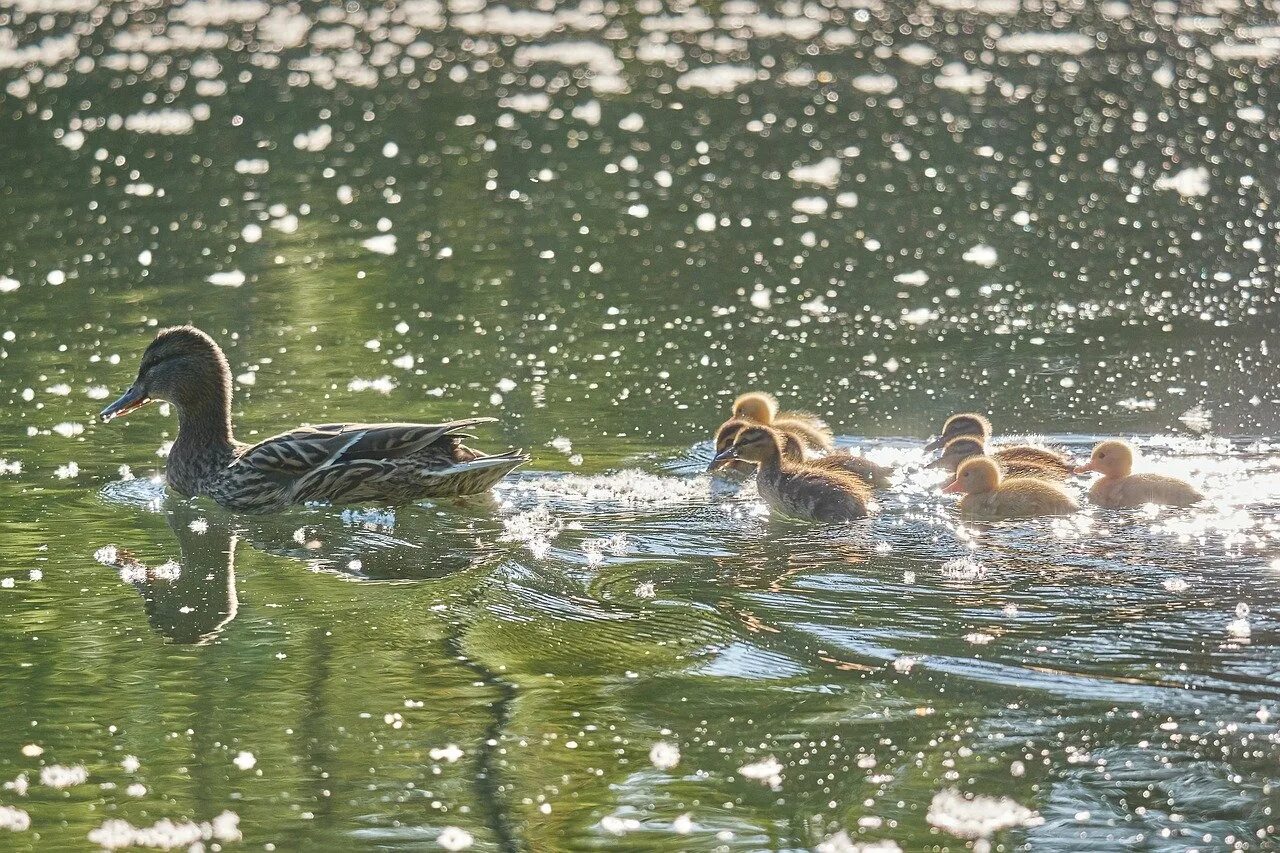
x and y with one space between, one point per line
475 475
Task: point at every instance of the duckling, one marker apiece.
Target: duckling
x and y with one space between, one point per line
1119 487
724 437
794 450
1017 461
988 495
972 425
799 490
761 408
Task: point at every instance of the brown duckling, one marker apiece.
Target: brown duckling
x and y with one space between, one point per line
794 450
1016 461
799 489
988 495
1119 487
977 426
761 408
331 463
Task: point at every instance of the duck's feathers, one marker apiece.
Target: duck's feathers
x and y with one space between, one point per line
352 463
813 494
871 473
1019 498
1140 489
1027 460
810 429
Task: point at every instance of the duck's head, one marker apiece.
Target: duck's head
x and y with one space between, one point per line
1110 459
755 444
957 451
975 477
756 406
966 424
183 366
725 435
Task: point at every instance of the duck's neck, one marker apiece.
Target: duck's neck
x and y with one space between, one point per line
204 444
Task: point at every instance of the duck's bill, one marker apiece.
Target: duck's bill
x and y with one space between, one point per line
1086 468
937 463
952 488
724 459
134 398
934 444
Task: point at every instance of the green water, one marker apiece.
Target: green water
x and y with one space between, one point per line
605 281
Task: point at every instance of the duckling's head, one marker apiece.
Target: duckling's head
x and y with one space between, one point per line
976 476
756 406
755 444
957 451
725 435
966 424
1110 459
183 366
792 446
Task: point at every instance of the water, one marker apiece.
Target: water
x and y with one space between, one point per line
601 222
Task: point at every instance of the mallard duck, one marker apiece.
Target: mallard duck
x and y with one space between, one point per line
988 495
794 450
761 408
1119 487
798 489
970 425
333 463
1017 461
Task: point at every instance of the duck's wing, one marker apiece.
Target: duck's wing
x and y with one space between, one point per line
298 452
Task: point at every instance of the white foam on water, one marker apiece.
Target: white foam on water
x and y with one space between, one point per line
875 84
164 834
977 816
1074 44
717 79
1191 182
766 771
14 819
63 776
824 173
982 255
227 278
382 244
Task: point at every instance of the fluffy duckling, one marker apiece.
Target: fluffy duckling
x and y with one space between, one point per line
1119 487
794 450
970 425
988 495
799 490
1017 461
761 408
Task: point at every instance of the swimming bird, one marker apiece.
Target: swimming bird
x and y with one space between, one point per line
334 463
988 495
970 425
761 408
1015 461
1120 487
794 450
798 489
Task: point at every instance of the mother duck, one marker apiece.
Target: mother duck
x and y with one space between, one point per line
331 463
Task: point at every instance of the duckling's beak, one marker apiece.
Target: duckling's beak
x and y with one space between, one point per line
952 488
934 444
722 459
937 463
1086 468
134 398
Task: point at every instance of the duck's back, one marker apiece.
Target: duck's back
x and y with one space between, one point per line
356 463
814 494
1139 489
810 429
1020 498
864 469
1027 460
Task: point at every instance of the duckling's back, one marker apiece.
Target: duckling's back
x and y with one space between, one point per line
1139 489
1020 497
814 493
1026 460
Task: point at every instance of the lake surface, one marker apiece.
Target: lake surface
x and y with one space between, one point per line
601 222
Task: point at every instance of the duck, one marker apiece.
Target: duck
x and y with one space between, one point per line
972 425
1120 487
1016 461
761 408
989 495
795 450
799 490
341 463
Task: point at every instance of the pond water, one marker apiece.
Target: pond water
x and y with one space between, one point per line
600 222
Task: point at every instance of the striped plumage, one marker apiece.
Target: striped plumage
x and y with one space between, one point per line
1021 460
331 463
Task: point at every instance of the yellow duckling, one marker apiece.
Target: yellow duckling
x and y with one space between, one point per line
1017 461
761 408
1119 487
988 495
798 489
972 425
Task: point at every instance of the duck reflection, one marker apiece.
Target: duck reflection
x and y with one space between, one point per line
193 598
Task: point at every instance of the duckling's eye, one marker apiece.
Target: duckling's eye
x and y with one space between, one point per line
1102 456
